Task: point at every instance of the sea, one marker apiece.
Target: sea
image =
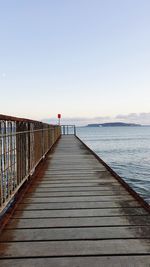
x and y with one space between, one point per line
126 150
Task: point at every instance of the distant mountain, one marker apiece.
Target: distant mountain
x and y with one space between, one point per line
113 124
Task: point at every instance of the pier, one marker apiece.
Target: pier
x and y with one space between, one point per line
61 205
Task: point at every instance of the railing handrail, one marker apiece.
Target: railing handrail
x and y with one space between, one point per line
17 119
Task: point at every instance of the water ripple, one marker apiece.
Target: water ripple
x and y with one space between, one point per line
126 150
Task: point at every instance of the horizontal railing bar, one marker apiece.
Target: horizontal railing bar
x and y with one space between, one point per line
23 132
17 119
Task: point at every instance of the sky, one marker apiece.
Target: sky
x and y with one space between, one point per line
86 59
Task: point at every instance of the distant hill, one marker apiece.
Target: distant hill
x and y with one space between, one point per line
113 124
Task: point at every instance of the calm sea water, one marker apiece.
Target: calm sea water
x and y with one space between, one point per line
126 150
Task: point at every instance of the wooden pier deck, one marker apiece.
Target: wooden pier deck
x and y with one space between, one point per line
76 213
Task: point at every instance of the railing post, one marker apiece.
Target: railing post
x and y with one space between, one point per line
74 130
1 160
29 141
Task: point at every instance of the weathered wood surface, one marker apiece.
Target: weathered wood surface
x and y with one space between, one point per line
76 214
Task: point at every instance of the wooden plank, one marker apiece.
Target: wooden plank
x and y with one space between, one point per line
94 261
80 172
90 233
75 248
72 194
77 170
57 181
77 174
79 222
79 184
74 199
79 213
77 205
68 177
114 188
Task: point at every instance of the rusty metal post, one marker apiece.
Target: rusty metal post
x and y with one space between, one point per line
1 184
74 130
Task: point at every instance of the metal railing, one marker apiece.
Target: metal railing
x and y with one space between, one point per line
68 129
23 144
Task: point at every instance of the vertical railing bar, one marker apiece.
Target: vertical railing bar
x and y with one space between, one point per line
68 129
4 159
1 159
10 159
29 152
15 157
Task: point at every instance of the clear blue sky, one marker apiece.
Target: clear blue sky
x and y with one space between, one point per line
81 58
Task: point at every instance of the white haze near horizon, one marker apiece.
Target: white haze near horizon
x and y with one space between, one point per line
141 118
